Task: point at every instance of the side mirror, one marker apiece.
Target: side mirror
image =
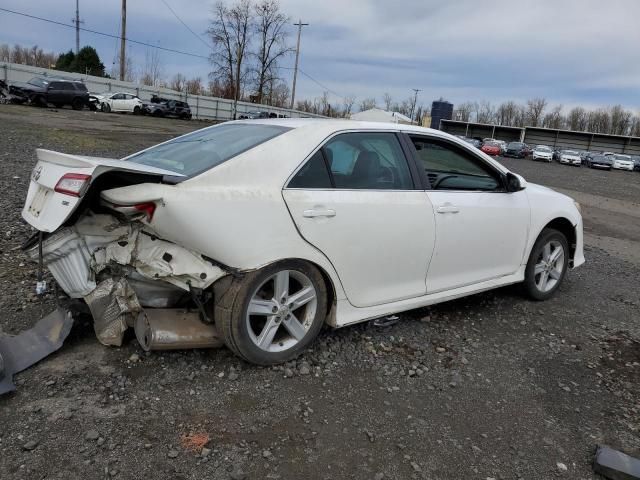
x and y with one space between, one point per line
515 182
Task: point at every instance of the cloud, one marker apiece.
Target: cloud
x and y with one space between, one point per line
569 51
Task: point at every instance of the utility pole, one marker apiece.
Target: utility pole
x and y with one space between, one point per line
77 21
295 70
415 100
123 37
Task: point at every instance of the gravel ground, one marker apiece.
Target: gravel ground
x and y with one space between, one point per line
491 386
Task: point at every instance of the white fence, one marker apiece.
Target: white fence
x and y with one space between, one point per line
202 107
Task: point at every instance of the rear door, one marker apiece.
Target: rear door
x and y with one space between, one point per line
481 229
355 200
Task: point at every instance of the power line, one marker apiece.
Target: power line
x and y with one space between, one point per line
104 34
199 37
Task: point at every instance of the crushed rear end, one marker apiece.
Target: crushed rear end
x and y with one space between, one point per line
102 249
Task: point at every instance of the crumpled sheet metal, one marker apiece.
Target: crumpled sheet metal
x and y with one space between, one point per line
157 259
19 352
114 307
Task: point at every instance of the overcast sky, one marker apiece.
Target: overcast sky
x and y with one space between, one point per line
569 51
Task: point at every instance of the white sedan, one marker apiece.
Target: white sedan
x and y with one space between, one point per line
622 162
570 157
542 152
119 102
259 232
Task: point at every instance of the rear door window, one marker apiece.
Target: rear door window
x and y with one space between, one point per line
368 160
197 152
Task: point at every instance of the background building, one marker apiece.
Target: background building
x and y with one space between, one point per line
440 110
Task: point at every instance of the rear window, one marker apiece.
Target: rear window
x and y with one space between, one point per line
202 150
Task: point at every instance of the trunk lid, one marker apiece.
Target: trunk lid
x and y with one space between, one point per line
45 208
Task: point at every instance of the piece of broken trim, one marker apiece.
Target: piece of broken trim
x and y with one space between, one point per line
19 352
616 465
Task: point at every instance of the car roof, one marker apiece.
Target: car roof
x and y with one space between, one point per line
337 124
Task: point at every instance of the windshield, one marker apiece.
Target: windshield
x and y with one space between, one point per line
196 152
543 148
515 145
570 152
622 157
38 82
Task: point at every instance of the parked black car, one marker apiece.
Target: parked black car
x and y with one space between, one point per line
597 160
636 162
161 107
517 150
42 91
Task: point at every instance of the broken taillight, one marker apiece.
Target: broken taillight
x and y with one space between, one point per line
149 208
74 184
146 208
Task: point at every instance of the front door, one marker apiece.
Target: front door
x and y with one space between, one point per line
355 200
481 229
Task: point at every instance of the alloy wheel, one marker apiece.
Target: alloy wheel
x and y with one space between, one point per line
550 265
281 311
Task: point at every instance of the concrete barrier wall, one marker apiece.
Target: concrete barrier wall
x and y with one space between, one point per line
202 106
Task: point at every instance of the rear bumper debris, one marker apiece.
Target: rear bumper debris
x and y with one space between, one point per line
120 268
616 465
19 352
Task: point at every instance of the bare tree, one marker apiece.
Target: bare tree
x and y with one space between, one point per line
507 113
486 112
620 120
279 95
5 53
577 119
347 105
272 43
193 86
387 100
463 112
178 82
230 30
535 111
152 71
554 118
367 104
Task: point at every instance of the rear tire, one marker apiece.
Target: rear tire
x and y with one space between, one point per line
547 265
271 315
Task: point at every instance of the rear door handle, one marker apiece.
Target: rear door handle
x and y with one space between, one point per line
447 208
328 212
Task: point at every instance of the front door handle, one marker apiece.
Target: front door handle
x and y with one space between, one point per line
447 208
328 212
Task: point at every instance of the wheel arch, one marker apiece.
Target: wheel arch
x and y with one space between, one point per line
328 283
223 284
564 226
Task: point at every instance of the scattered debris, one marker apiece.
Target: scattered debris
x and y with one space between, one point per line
616 465
194 441
386 321
19 352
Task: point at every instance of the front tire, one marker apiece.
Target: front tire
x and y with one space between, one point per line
77 104
271 315
547 265
136 110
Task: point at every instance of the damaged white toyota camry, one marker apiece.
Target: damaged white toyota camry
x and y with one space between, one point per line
256 233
